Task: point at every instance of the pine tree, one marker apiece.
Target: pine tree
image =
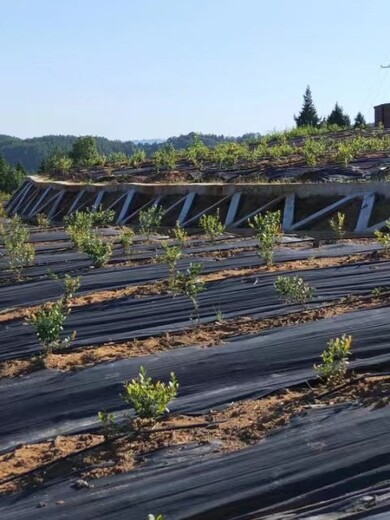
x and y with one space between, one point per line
308 115
337 117
360 122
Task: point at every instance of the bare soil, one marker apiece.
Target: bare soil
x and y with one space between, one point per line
236 427
202 336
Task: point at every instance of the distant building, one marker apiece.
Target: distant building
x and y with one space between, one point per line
382 115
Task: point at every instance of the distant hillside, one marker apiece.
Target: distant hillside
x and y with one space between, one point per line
30 152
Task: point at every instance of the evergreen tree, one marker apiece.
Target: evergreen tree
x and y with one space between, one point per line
337 117
10 177
308 115
84 151
360 122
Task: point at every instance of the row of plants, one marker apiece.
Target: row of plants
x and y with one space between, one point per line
318 144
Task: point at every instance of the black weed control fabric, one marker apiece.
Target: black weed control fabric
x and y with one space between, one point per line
327 464
127 318
74 262
48 403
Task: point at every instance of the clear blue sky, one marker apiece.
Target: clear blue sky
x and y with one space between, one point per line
132 69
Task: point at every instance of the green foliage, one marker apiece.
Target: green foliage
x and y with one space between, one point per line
137 158
150 219
101 217
96 248
48 323
197 153
337 224
56 162
171 256
154 517
84 151
71 286
212 225
188 283
4 198
308 115
150 399
335 362
312 150
118 158
379 291
165 158
360 121
383 238
338 117
43 220
15 237
293 289
126 239
11 177
180 234
267 231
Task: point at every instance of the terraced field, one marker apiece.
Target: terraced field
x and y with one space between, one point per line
253 432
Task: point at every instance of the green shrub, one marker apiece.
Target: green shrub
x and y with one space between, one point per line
165 157
126 239
48 323
212 225
154 517
188 283
71 286
172 254
293 289
43 220
98 251
150 399
15 237
102 217
197 153
150 219
4 198
383 238
335 362
180 234
337 224
267 231
137 158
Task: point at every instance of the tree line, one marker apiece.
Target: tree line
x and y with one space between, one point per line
308 116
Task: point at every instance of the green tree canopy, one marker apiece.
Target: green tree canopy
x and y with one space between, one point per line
11 177
308 115
338 117
360 122
84 151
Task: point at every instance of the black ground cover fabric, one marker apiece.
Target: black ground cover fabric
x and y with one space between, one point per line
327 464
48 403
254 296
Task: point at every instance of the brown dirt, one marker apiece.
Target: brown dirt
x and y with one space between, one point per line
236 427
202 336
161 287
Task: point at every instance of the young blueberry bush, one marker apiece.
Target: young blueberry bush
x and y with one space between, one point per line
172 254
150 399
43 220
97 249
334 366
267 231
48 321
293 289
188 283
180 234
337 224
212 225
383 238
126 239
150 219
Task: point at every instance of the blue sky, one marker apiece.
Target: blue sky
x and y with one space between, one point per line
132 69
